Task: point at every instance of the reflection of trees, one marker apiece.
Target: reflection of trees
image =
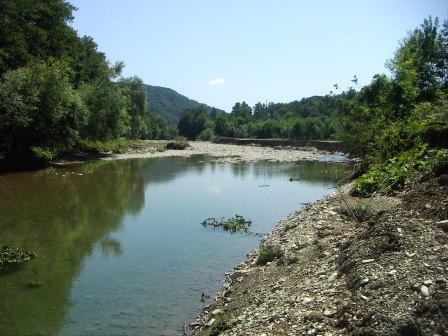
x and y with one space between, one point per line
310 171
61 218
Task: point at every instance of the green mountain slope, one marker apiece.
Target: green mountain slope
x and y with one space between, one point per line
170 104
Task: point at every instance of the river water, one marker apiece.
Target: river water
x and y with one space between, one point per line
120 249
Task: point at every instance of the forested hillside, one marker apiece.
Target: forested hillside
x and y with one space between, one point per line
58 91
170 104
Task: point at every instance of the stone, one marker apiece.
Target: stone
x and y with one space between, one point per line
216 312
210 323
424 290
443 225
366 261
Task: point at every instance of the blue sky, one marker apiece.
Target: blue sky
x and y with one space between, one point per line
222 51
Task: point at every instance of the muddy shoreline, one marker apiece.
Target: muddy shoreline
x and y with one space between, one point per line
336 276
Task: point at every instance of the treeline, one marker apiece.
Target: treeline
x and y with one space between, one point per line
309 118
398 124
57 89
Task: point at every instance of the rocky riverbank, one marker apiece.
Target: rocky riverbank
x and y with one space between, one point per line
226 152
333 275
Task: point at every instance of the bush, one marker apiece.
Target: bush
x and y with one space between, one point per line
178 144
206 135
358 211
402 170
268 253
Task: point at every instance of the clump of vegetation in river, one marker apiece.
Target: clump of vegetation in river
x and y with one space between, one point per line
232 225
13 256
269 253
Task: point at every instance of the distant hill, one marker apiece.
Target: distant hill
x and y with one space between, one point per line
170 104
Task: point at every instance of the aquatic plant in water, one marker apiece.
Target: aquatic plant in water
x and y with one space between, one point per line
232 225
12 256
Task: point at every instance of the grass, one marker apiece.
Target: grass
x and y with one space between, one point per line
359 211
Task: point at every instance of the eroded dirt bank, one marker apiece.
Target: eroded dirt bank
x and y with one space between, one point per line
384 276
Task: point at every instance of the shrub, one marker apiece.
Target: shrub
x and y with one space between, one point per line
358 211
178 144
402 170
268 253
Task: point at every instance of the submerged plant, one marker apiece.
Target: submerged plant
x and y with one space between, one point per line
232 225
10 256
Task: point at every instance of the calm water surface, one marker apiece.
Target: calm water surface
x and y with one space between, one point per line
120 247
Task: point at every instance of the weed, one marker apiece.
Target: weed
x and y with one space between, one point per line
268 253
358 211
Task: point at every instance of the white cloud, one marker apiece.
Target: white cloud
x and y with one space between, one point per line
216 81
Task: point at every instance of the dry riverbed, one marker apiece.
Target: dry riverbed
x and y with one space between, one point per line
384 276
224 152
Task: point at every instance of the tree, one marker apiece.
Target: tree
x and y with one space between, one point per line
39 109
34 29
193 122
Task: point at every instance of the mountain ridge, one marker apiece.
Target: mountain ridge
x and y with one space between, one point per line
170 104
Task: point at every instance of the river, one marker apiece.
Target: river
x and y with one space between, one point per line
120 249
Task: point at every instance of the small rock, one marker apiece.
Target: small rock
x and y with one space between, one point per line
443 225
210 323
216 312
427 282
307 300
366 261
409 254
424 290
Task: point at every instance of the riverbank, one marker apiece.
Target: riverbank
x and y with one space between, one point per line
225 153
333 275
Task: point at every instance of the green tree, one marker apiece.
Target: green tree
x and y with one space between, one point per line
40 112
34 29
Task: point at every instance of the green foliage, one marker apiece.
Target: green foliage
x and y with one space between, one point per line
56 88
39 108
207 135
358 211
269 253
310 118
402 170
98 146
170 105
194 122
232 225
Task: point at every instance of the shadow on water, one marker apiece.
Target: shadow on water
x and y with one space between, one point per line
65 214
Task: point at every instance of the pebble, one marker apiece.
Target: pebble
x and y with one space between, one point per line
424 290
216 312
366 261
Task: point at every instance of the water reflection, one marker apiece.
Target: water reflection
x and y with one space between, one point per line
94 225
